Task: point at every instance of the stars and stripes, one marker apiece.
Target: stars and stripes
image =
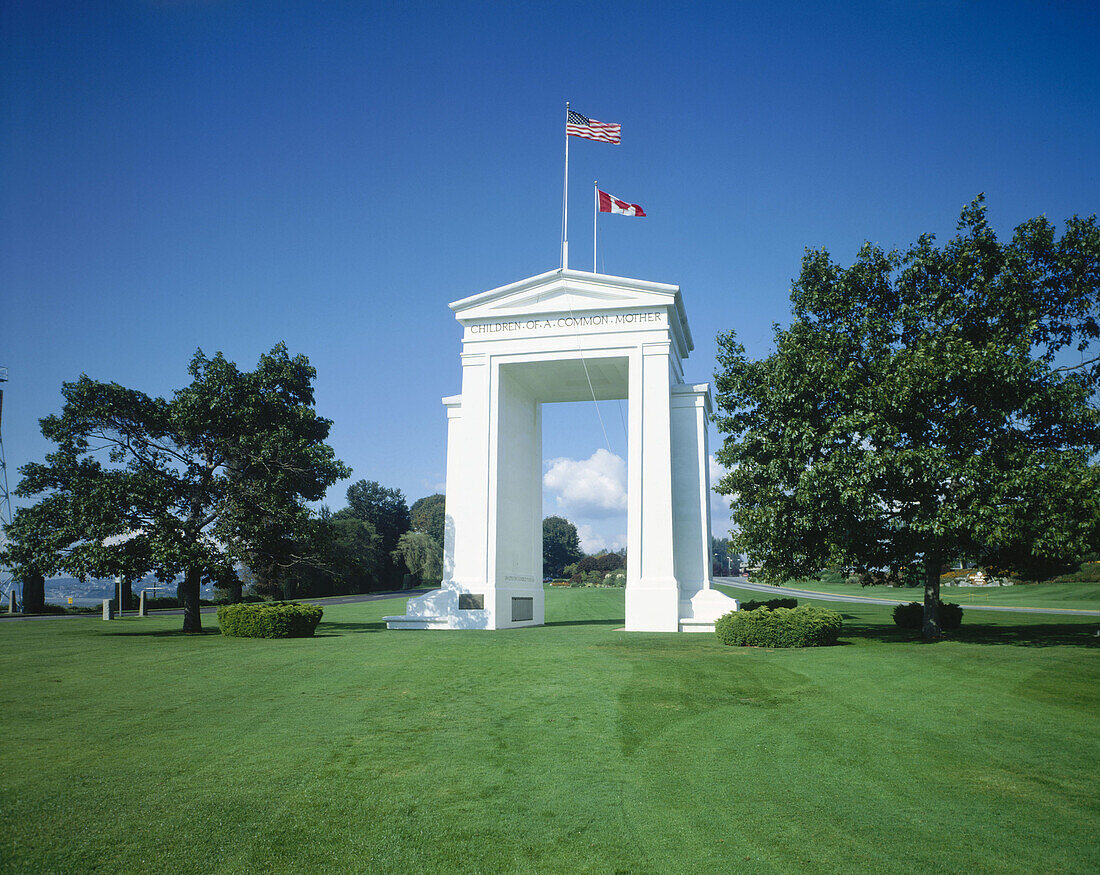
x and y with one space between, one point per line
577 125
611 204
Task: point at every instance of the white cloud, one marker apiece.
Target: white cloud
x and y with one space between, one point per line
593 541
717 470
719 504
590 491
594 487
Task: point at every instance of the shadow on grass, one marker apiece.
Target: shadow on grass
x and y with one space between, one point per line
617 622
1029 635
160 633
325 630
335 629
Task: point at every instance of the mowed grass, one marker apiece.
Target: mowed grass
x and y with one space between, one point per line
568 748
1076 596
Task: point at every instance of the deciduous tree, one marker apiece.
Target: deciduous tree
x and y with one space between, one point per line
34 546
422 555
428 515
387 512
343 556
561 545
214 476
922 405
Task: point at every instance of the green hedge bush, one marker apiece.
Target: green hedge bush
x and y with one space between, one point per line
806 626
911 616
770 604
1087 572
269 620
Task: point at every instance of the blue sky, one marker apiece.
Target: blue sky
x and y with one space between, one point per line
226 175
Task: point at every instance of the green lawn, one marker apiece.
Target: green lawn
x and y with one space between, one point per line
568 748
1079 596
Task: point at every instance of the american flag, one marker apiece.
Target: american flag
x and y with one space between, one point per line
576 125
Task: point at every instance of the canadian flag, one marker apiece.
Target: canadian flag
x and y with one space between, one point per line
611 204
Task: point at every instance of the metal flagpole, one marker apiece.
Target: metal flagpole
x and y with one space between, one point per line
565 199
595 213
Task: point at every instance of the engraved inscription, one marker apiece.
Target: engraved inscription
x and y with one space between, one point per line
562 322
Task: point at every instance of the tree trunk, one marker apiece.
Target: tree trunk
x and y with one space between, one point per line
930 631
34 593
125 595
189 595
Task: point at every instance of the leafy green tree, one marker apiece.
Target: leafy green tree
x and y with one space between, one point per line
39 546
386 511
422 555
603 562
214 476
561 545
357 557
344 556
428 515
922 406
383 508
34 548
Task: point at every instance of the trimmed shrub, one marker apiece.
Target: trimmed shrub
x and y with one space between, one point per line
269 620
806 626
911 616
951 616
770 604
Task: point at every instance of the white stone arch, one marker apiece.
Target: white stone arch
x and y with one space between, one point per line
564 336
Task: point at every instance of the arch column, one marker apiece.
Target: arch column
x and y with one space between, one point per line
467 506
652 595
515 502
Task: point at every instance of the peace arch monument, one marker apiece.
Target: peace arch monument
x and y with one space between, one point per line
568 335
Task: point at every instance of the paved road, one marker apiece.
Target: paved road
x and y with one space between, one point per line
211 609
743 583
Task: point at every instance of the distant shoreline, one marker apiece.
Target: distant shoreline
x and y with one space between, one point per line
92 592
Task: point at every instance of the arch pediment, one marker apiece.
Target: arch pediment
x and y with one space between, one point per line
573 291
